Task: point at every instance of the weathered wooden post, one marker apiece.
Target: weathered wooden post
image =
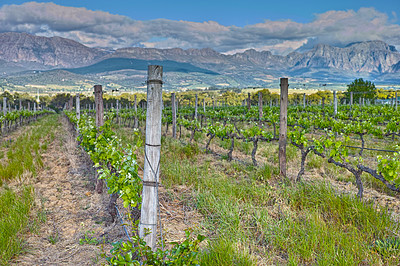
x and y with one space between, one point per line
396 100
204 106
78 107
98 99
20 104
334 103
260 105
117 106
136 122
351 100
248 101
195 107
148 219
71 103
213 104
304 100
173 115
34 107
359 101
283 126
4 105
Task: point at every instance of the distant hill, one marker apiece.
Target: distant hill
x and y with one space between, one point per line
59 77
115 64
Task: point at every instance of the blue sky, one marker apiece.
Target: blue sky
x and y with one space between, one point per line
226 26
227 12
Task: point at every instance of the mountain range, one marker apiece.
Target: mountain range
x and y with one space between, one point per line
24 54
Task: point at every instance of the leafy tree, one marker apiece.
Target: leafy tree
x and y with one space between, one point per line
59 100
317 97
361 89
266 94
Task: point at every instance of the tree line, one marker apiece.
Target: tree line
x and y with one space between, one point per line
230 96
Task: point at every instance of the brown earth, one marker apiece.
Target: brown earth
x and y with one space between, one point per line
64 194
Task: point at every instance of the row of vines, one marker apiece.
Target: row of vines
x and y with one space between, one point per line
312 129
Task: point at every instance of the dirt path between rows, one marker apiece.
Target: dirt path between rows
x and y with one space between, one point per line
65 190
75 216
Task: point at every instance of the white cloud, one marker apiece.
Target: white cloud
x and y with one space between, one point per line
102 29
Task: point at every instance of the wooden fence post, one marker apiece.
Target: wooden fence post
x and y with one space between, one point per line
4 105
117 106
335 104
34 107
98 99
204 106
148 218
351 100
71 102
136 123
195 107
248 101
304 100
173 115
283 126
396 99
78 107
260 105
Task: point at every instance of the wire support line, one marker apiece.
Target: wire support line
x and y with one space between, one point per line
120 216
156 186
370 149
123 223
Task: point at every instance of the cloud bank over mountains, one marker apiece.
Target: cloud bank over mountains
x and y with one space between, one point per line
102 29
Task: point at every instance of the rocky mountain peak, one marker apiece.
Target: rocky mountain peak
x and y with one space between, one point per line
372 45
49 52
372 57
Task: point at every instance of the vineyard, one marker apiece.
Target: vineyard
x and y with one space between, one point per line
226 194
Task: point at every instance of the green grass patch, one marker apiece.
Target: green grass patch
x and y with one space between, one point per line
14 216
324 228
314 162
226 252
24 153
